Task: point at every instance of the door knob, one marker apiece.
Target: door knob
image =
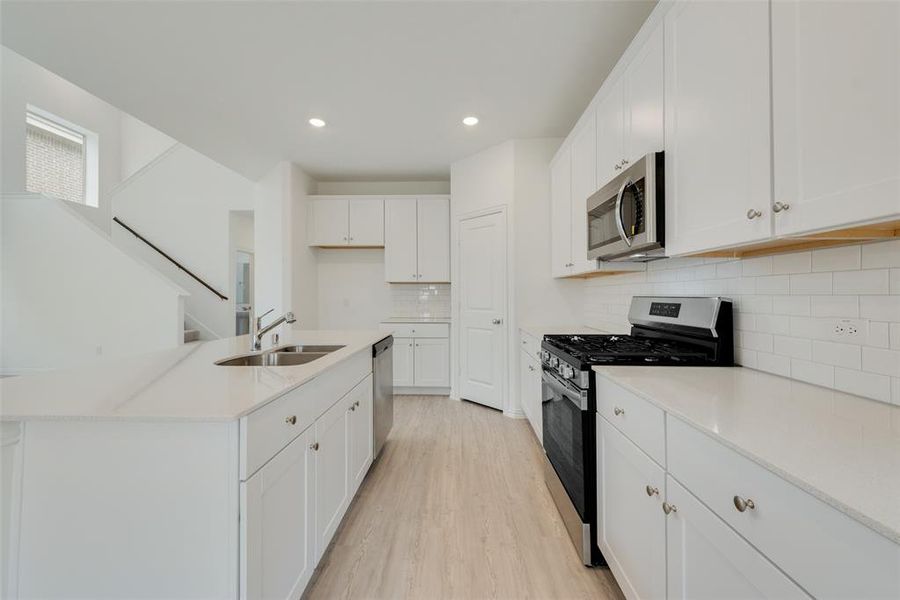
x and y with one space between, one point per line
497 321
780 206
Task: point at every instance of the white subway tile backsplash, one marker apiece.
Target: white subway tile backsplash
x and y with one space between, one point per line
811 283
862 282
839 355
842 258
881 255
773 364
811 372
797 262
420 300
791 305
869 385
834 306
773 284
877 360
785 310
793 347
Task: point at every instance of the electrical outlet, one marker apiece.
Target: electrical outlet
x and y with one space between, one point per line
856 330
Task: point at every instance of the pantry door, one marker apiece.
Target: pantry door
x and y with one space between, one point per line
483 306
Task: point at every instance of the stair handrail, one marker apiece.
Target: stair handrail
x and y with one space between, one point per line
169 258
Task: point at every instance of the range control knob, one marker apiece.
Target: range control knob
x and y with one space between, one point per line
545 355
569 372
554 361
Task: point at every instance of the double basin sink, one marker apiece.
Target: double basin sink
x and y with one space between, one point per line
279 357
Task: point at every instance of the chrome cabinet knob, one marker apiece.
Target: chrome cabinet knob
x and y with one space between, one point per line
652 491
531 367
496 321
624 161
669 508
780 206
353 407
742 504
753 213
291 420
619 411
314 446
617 167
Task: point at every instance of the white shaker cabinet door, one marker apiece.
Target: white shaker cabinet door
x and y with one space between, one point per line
331 444
561 214
584 183
718 171
277 522
530 392
643 100
707 560
404 362
329 220
361 442
400 226
366 221
432 358
632 527
836 102
433 227
610 135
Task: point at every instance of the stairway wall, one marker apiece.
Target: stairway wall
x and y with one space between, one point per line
182 202
70 297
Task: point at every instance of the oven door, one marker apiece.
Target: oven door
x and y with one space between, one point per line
564 409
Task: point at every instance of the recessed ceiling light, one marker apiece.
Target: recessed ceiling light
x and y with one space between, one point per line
316 122
470 121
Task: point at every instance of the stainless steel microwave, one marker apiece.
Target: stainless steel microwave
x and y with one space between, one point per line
626 217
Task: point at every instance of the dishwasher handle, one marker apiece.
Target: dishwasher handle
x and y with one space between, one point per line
383 345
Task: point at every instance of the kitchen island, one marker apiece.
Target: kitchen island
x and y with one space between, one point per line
167 475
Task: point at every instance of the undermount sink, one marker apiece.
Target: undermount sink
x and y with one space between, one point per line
280 357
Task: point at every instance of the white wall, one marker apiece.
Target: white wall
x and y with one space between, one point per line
65 305
140 144
304 270
352 291
515 175
23 82
182 204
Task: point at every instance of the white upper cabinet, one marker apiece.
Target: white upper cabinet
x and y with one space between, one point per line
366 222
417 239
836 101
584 183
433 237
561 213
400 226
610 135
346 221
717 123
643 104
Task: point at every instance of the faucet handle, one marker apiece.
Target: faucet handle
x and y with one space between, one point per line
265 313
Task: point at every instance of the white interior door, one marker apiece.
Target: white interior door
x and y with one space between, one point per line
482 298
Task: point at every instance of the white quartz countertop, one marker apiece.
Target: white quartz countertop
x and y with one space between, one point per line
843 449
178 384
417 320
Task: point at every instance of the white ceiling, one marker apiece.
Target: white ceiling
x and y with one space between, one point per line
239 80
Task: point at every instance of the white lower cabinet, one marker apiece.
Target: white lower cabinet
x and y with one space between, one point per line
332 471
432 362
530 392
404 362
278 505
360 438
632 527
706 559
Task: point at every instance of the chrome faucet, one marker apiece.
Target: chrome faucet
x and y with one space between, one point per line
259 331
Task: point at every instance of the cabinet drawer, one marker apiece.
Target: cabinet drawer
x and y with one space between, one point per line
822 549
640 420
265 431
530 344
417 330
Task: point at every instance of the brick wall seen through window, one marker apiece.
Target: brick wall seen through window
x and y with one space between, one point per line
54 160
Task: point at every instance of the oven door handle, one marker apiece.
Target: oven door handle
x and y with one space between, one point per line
620 224
578 398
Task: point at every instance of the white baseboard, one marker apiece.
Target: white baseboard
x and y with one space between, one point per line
421 391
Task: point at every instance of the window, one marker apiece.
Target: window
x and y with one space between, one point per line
60 158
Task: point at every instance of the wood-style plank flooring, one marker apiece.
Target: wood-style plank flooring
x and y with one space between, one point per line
455 507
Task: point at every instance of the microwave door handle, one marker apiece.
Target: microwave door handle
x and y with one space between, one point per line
619 224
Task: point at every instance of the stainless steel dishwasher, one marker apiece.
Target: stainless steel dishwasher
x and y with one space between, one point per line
383 375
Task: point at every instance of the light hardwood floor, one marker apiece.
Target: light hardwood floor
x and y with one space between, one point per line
455 507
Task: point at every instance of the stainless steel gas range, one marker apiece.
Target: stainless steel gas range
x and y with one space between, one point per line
671 331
